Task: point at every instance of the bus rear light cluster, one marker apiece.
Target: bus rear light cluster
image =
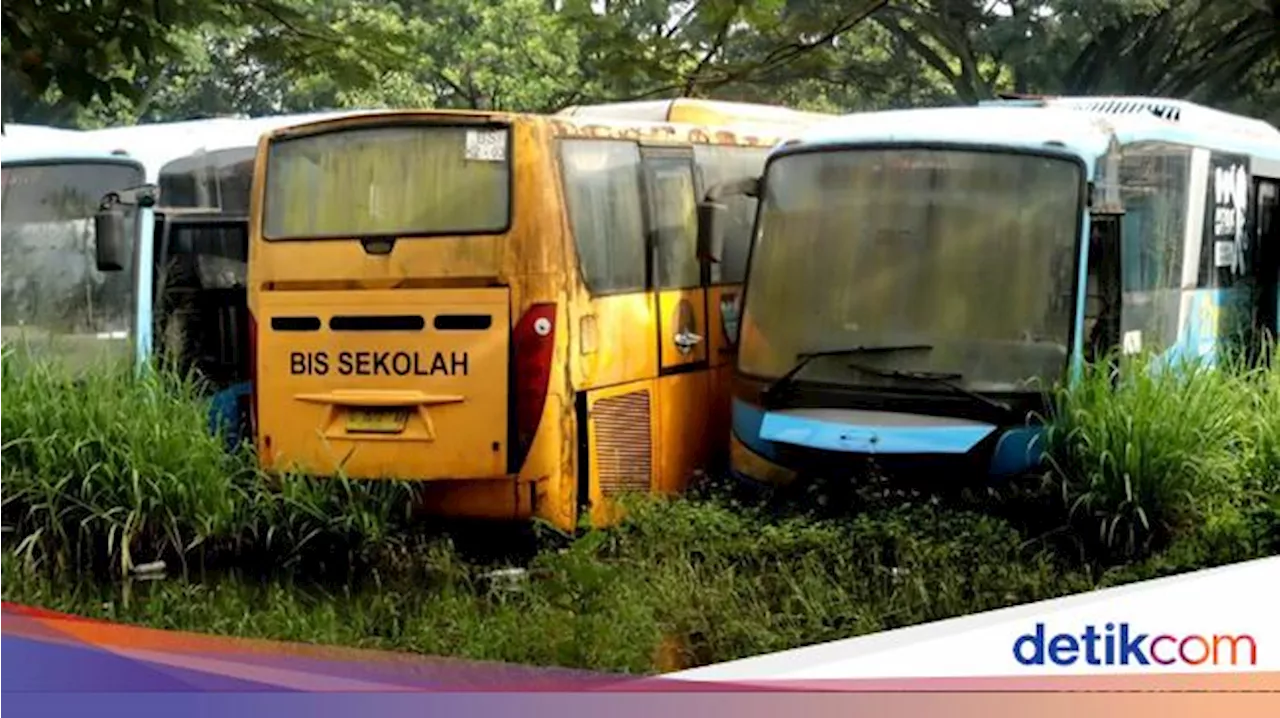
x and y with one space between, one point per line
532 347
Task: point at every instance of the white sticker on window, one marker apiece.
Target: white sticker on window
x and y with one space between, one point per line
487 145
1132 342
1224 253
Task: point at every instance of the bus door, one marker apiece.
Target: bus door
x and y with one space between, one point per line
1266 193
683 386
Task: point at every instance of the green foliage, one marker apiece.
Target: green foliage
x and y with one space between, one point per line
179 59
717 583
1144 454
1170 471
104 470
95 53
1219 52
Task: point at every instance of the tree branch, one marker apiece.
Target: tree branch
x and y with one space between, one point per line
721 35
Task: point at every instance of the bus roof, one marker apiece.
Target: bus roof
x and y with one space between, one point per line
1083 126
690 111
754 131
158 144
35 143
14 132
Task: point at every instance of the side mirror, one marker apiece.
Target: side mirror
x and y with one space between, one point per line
711 231
711 215
111 235
111 228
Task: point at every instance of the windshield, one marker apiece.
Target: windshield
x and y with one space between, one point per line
970 253
51 285
388 181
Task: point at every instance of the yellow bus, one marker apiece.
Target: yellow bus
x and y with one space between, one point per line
511 308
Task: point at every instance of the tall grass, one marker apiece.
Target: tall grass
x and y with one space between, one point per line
1145 454
710 581
104 469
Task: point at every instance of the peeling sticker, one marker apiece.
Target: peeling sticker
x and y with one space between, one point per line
487 145
1132 342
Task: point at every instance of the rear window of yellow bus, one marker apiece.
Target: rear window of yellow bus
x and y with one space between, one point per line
402 180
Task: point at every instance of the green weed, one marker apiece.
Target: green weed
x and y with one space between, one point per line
1144 456
1161 472
104 469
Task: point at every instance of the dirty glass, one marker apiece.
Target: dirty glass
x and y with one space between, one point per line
972 254
674 222
52 288
720 164
1154 184
602 190
388 180
219 181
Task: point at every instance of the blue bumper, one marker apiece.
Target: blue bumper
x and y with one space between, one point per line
776 434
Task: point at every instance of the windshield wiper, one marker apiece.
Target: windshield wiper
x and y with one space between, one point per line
805 357
947 379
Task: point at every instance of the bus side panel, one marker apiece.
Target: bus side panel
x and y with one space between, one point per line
614 340
684 406
683 429
623 441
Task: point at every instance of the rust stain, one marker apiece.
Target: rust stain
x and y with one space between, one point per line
691 134
560 126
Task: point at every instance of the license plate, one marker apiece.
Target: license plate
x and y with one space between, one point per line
376 421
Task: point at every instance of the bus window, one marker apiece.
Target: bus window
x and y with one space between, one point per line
719 164
915 238
1154 185
602 188
414 180
51 282
675 222
215 180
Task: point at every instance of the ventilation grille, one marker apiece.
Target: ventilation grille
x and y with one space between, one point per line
1126 106
1188 114
623 445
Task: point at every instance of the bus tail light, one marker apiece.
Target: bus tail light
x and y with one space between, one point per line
533 344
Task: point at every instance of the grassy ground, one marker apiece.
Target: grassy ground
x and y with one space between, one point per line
1151 474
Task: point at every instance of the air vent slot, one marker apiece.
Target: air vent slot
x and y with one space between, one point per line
462 322
1172 113
377 323
295 324
623 443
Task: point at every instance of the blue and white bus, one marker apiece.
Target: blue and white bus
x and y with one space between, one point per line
54 294
177 281
919 278
196 244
